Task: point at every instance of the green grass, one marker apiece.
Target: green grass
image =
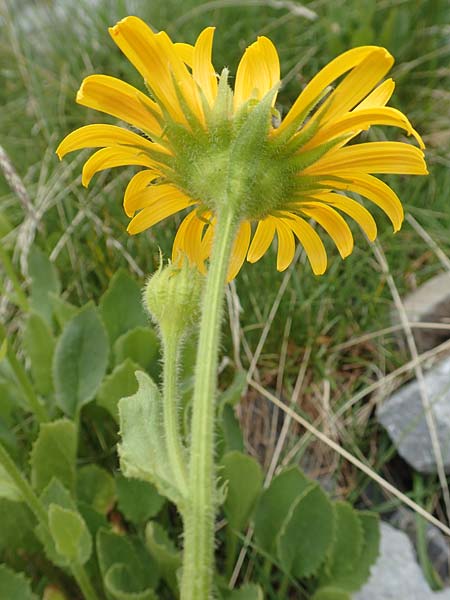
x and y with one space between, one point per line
45 51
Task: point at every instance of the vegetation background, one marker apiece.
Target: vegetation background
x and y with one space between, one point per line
324 344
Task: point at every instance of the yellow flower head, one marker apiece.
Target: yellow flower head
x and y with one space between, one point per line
199 140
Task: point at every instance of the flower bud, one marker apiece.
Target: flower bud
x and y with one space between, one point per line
172 297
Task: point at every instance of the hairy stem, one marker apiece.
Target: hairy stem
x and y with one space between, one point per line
198 557
175 448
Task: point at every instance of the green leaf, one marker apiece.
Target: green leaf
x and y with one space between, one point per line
331 593
121 584
44 280
3 349
121 306
133 569
359 574
80 360
231 434
141 345
70 534
39 345
8 488
120 383
54 454
138 500
18 523
245 477
346 547
96 487
275 503
307 533
93 519
143 452
247 592
63 311
232 395
14 586
164 553
54 494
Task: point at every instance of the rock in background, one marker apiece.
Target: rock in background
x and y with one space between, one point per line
396 574
403 417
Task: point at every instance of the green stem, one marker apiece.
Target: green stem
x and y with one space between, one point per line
175 448
22 378
83 581
23 486
21 300
198 557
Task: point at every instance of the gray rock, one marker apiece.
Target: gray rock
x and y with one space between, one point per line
438 545
396 574
429 303
402 415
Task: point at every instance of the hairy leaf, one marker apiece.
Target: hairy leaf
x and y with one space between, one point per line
80 360
54 454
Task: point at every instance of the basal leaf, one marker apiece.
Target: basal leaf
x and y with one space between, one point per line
54 454
138 500
275 503
121 305
80 360
114 551
54 494
96 487
164 553
119 384
44 280
141 345
346 547
14 586
39 345
121 584
70 534
8 488
307 533
359 574
331 593
245 477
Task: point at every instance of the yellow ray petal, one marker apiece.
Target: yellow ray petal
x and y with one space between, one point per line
188 240
353 209
207 239
372 157
157 211
94 136
286 245
155 58
240 248
337 67
116 156
357 121
257 72
136 184
185 52
333 223
151 194
356 85
380 96
202 68
261 240
118 99
310 240
373 189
